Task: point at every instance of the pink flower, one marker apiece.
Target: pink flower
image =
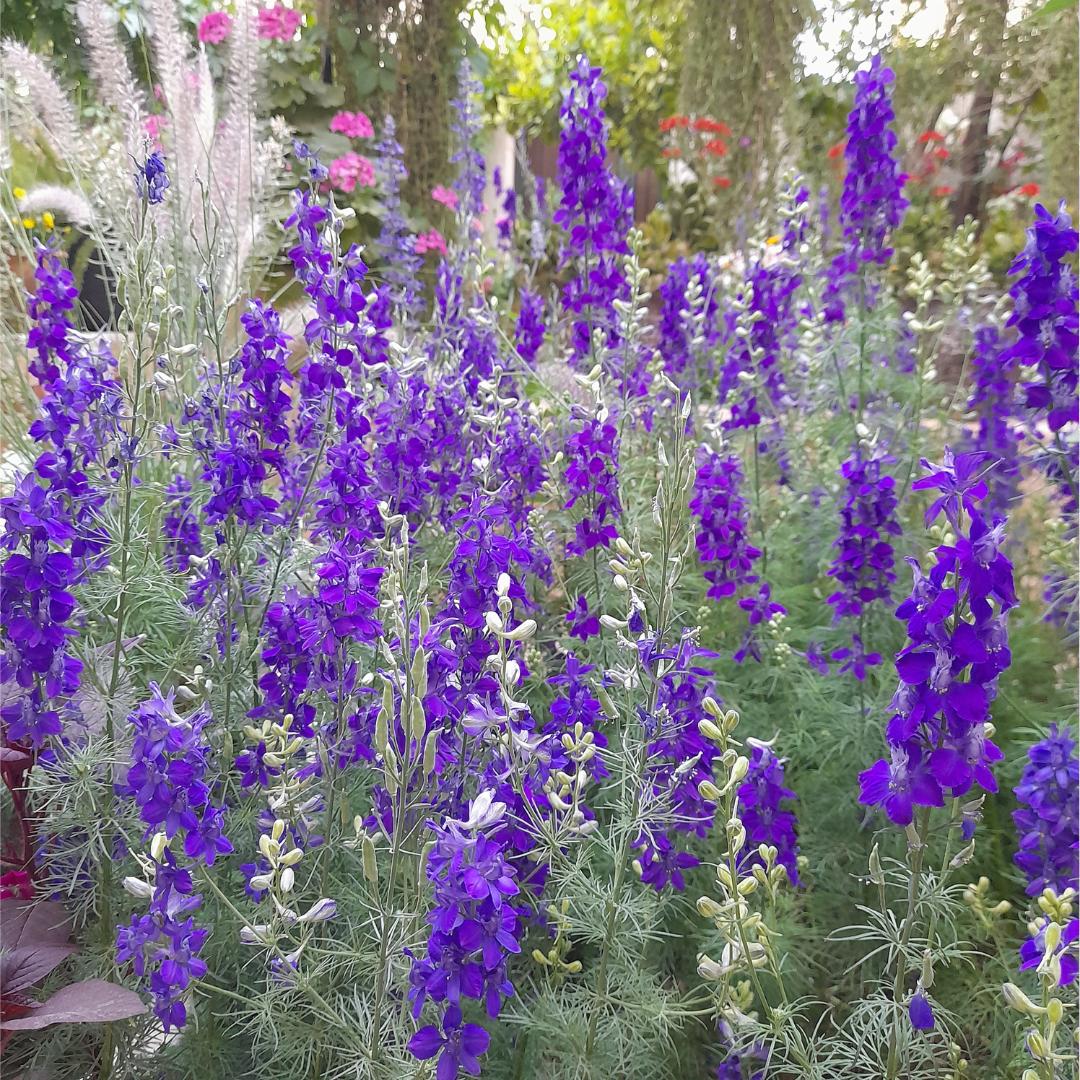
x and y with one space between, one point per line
355 125
445 195
278 23
214 27
430 241
155 125
351 171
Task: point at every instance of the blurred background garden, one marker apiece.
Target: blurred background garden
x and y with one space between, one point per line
709 101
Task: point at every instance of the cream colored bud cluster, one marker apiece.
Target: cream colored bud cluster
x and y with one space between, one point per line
554 960
965 273
566 791
628 569
1040 1040
280 876
748 940
977 898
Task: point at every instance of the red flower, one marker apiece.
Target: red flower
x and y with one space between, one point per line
670 122
716 147
672 152
943 191
940 153
722 181
713 127
1030 190
837 150
931 136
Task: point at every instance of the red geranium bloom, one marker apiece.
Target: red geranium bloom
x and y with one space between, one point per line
670 122
931 136
943 191
722 181
940 153
1030 190
837 150
672 152
716 147
713 127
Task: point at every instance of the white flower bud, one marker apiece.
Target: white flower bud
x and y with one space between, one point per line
137 887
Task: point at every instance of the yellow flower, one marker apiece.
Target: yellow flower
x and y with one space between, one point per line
773 240
28 222
48 220
19 193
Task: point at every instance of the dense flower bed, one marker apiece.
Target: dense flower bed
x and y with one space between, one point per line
386 677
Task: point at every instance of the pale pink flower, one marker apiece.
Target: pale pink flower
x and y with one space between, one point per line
430 241
355 125
278 23
445 195
154 125
351 171
214 27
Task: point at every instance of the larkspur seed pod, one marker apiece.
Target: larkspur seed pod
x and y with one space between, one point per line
158 845
709 969
1055 1010
368 861
708 908
321 911
877 874
1036 1046
927 975
1016 999
708 791
138 888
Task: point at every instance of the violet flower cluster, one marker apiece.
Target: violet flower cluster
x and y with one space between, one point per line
1048 819
51 531
592 476
594 211
863 564
474 929
680 757
761 798
167 773
992 400
677 330
872 203
163 945
722 518
396 243
957 647
723 548
1045 321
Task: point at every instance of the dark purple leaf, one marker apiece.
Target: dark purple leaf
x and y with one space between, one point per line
36 939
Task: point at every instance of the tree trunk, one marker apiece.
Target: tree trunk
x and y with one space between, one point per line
971 192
